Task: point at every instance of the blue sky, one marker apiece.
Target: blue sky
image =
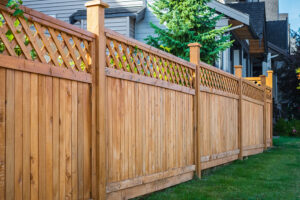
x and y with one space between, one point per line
293 8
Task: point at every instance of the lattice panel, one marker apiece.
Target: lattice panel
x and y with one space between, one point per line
252 92
129 58
269 93
218 81
33 41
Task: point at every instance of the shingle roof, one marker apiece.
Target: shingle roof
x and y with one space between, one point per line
137 12
256 10
277 33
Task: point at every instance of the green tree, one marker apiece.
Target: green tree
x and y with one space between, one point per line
188 21
288 83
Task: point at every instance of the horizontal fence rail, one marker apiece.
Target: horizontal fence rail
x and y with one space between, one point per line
97 115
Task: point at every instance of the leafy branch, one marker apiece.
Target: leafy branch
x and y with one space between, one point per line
15 5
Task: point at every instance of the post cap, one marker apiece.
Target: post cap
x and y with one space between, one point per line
96 3
238 66
270 71
196 44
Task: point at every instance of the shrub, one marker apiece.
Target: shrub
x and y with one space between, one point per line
287 127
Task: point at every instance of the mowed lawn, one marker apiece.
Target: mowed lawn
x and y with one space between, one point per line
273 175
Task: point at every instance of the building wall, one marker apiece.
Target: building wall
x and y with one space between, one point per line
272 9
143 28
63 9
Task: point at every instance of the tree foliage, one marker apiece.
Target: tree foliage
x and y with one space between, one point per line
288 83
15 5
188 21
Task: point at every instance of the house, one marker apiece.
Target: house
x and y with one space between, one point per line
277 39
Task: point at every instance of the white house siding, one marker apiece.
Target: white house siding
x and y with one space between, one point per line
63 9
143 28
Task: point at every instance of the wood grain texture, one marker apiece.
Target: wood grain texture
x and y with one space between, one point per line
42 155
150 122
2 132
219 125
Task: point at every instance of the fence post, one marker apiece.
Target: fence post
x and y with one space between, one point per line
195 59
263 80
269 80
95 24
238 73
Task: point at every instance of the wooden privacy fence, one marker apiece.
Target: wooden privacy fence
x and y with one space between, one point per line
96 115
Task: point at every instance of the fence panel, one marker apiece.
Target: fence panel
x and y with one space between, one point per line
45 108
252 118
218 116
150 119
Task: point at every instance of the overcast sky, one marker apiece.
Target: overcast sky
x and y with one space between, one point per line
293 8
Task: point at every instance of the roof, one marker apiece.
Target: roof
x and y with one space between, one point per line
136 12
256 11
230 12
277 33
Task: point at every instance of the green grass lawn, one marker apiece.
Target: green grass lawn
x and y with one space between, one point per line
273 175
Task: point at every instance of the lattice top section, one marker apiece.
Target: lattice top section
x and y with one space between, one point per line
251 90
43 41
269 93
131 56
218 80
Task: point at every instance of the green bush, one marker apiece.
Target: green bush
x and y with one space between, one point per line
287 127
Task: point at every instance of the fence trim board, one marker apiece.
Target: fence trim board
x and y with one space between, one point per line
114 73
151 187
218 92
249 99
251 152
219 156
113 187
217 162
19 64
257 146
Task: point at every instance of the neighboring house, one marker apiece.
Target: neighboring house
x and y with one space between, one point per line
276 37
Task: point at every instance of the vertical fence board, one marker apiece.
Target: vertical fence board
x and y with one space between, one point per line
68 140
74 155
56 139
34 137
26 134
18 135
62 138
80 141
49 137
10 134
42 136
2 132
87 141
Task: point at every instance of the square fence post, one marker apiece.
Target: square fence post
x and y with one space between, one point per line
263 80
238 73
195 59
95 24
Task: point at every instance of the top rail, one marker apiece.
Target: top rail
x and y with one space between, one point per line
129 55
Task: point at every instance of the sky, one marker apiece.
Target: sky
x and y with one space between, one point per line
293 8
